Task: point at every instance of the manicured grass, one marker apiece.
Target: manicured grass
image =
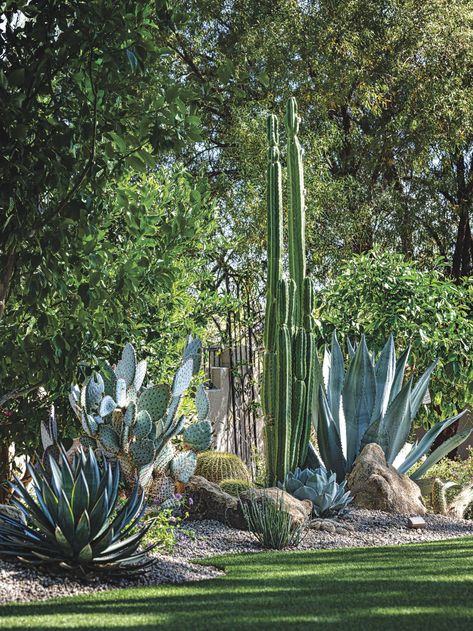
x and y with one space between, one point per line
425 586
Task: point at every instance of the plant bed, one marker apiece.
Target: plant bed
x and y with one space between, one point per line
207 539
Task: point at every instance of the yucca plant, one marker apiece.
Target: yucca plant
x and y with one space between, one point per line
73 523
329 498
370 403
271 524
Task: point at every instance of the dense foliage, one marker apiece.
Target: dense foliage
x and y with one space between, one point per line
382 292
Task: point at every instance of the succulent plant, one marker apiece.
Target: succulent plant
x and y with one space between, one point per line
328 497
216 466
234 486
290 352
369 403
136 424
73 523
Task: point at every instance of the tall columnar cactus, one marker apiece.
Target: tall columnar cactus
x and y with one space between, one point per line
290 353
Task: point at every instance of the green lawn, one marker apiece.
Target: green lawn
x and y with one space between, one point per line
425 586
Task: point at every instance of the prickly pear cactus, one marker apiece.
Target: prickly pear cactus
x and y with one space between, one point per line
138 425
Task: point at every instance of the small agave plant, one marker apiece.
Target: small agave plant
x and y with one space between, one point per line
329 499
136 425
72 521
370 403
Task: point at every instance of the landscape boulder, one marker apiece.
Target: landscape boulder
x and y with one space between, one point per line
376 485
210 502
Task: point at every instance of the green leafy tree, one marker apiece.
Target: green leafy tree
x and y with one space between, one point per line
379 293
91 238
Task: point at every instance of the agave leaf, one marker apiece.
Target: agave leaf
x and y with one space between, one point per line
329 439
396 424
423 446
92 475
359 392
335 380
399 374
82 533
420 389
351 348
326 365
442 450
384 375
65 517
80 496
86 554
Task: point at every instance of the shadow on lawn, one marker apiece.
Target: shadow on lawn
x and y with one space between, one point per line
414 587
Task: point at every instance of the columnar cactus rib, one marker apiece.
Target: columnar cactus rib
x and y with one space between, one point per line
288 380
296 206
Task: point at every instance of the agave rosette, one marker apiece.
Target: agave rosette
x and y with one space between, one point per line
73 523
370 403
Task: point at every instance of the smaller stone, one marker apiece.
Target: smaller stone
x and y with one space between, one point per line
328 527
416 522
341 531
315 524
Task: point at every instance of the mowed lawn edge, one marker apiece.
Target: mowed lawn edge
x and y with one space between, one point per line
412 586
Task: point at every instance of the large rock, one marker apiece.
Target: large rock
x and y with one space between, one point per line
210 502
378 486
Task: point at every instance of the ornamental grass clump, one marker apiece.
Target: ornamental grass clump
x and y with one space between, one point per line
73 523
271 524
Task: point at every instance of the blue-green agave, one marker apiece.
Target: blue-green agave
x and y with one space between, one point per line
73 523
329 498
136 424
370 403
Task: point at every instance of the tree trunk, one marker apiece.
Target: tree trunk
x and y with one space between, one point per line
462 256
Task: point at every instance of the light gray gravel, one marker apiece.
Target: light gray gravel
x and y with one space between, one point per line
210 538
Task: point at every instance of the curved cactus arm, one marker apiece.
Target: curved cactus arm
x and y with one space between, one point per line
426 442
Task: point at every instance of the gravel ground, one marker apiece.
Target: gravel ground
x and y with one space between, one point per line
210 538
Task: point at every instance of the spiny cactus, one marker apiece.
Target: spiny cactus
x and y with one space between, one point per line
136 425
439 497
290 353
216 466
234 487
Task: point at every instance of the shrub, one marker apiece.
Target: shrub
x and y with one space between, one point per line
234 486
381 292
216 466
73 523
272 526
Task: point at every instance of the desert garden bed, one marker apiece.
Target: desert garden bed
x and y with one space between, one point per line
206 539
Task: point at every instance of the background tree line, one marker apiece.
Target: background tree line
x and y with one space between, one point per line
134 159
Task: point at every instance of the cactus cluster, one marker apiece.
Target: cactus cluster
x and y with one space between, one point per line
136 425
289 339
216 466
